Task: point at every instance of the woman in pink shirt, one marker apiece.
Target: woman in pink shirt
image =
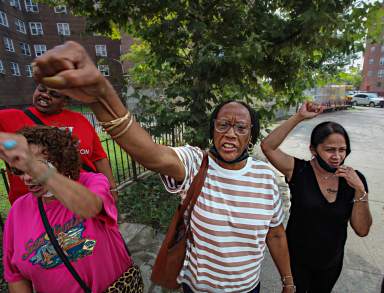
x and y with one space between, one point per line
79 208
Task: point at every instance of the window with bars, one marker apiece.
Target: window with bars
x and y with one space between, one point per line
63 29
3 19
36 28
8 44
2 69
15 69
40 49
31 6
25 49
20 26
60 9
380 73
104 69
28 70
101 50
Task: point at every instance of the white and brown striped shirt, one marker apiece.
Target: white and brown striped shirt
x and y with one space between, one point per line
229 223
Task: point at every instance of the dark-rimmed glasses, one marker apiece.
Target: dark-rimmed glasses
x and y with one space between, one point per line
239 128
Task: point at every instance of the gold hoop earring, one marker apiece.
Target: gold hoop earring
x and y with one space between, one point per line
250 147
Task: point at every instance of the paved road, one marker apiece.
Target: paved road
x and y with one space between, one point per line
364 257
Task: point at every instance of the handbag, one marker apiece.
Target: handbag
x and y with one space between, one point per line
170 258
130 281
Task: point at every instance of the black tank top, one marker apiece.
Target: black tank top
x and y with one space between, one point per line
317 229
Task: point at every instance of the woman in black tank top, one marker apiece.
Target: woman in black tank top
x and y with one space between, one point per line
325 196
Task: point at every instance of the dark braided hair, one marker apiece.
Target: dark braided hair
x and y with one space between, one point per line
255 130
59 145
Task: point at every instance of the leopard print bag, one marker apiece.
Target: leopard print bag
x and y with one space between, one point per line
129 282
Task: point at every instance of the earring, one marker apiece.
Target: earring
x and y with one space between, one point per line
250 147
210 142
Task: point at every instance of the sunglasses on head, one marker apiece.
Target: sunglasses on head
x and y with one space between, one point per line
52 93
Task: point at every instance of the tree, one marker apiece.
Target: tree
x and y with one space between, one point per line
245 49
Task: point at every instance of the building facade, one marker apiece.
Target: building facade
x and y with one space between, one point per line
373 69
28 29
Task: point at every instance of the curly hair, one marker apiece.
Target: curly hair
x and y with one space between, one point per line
60 146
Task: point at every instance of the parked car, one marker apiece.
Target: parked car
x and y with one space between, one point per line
367 99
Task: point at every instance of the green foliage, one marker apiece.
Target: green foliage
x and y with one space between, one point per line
147 202
352 77
208 51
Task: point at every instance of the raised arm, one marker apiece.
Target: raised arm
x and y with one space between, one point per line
270 145
68 68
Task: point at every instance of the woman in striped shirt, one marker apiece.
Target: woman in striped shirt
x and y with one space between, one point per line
238 212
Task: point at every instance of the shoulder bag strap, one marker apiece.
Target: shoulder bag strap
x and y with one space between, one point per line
58 249
193 193
37 120
33 117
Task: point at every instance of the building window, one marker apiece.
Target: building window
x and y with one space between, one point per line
25 49
101 50
371 61
63 29
370 73
382 60
20 26
8 44
15 3
2 69
382 48
30 6
60 9
15 69
36 28
40 49
28 70
373 49
3 19
104 69
380 73
378 84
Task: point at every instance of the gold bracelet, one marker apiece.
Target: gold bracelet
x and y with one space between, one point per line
125 129
110 125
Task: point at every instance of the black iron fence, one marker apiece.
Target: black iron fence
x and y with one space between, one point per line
124 168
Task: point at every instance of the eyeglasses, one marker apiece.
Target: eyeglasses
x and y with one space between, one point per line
240 128
52 93
16 171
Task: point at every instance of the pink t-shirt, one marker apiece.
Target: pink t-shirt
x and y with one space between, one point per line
94 246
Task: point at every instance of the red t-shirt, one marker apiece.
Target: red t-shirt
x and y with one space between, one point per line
90 148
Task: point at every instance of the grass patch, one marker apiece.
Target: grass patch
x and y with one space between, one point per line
147 202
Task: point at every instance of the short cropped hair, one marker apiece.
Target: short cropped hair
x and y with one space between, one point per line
255 130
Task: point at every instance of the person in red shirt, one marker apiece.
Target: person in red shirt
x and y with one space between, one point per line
48 106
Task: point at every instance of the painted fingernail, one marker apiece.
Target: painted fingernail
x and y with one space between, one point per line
54 81
9 144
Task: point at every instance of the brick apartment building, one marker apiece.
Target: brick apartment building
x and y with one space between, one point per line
28 29
373 67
